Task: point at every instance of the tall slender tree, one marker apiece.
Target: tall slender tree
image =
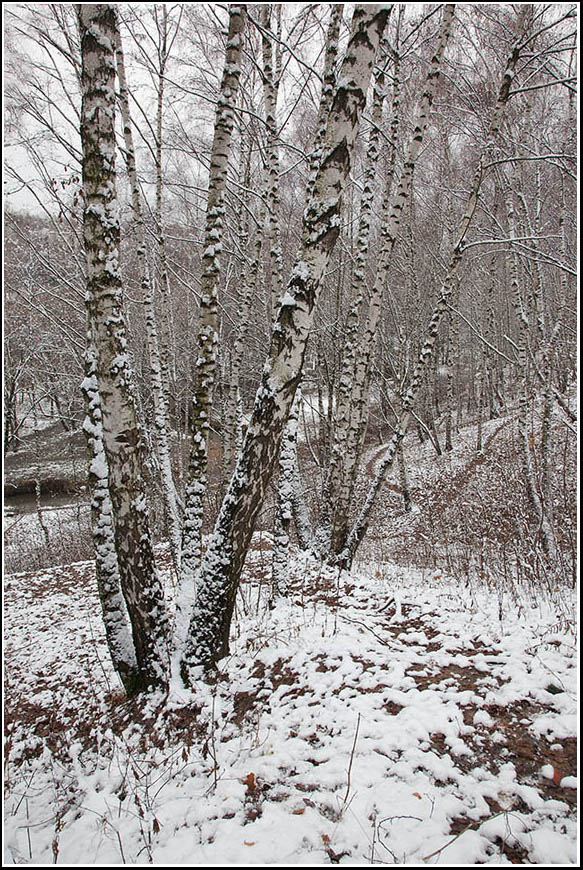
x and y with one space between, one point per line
208 636
359 528
208 325
350 434
157 369
121 432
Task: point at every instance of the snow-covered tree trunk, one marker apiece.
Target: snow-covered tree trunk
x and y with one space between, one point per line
283 509
113 606
359 528
337 450
122 436
452 345
357 291
542 357
298 505
285 501
491 364
158 392
208 325
326 94
249 280
325 407
536 502
208 637
162 274
273 197
353 430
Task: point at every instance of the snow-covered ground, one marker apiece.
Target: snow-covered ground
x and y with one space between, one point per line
381 717
390 715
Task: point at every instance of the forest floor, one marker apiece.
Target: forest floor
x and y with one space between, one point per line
379 717
387 715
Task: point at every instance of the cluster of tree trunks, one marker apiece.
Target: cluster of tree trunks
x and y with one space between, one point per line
138 626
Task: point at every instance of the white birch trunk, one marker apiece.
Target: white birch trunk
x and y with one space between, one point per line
208 326
158 392
285 512
536 502
543 366
299 508
273 197
113 607
288 470
122 437
354 435
345 384
163 278
326 95
208 637
249 278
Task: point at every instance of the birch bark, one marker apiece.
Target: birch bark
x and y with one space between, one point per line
536 502
287 487
345 383
543 365
113 607
158 392
208 327
249 278
326 95
163 278
354 429
286 494
122 436
273 198
208 637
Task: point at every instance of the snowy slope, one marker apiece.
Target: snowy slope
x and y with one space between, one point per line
385 717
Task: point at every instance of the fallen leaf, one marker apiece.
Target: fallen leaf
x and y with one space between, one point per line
299 812
417 795
249 781
249 842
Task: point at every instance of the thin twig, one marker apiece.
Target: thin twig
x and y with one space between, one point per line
467 828
351 760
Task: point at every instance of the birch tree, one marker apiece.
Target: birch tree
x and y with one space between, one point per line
357 289
359 528
122 436
159 372
208 326
358 355
113 606
249 284
208 635
537 500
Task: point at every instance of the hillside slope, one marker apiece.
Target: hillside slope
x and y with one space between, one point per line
380 718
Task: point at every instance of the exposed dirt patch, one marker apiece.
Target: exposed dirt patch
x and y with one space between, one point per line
510 739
